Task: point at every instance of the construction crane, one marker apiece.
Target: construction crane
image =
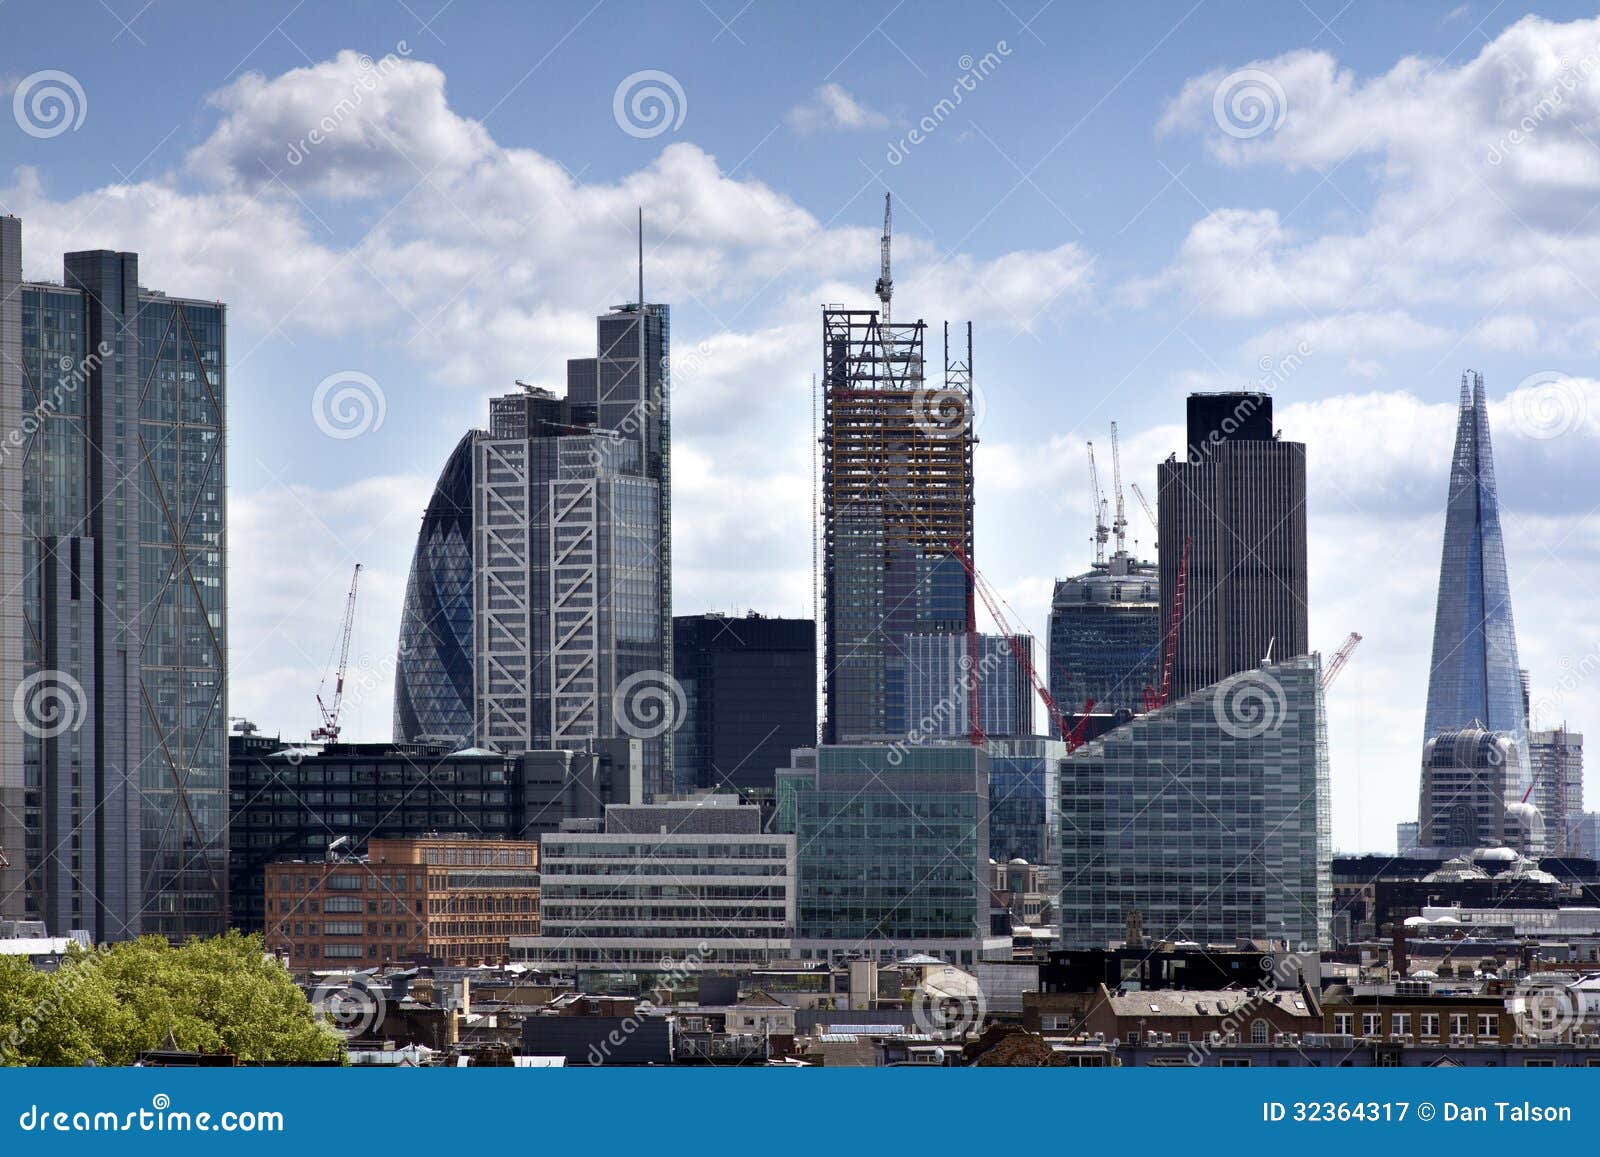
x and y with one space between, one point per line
1098 498
885 287
1073 734
1119 524
329 731
1155 699
1340 658
1145 502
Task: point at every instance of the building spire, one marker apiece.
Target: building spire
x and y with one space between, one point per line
641 258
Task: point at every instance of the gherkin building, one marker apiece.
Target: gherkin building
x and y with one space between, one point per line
433 671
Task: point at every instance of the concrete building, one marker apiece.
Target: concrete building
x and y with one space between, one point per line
449 901
941 678
750 695
295 802
892 853
1475 678
897 492
1207 820
1556 759
683 886
1105 636
1238 500
116 782
1464 800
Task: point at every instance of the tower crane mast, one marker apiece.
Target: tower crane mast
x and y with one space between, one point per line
1101 532
329 731
1119 524
885 287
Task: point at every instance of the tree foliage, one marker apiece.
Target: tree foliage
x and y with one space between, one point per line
106 1006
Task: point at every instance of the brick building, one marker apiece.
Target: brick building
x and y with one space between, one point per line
449 901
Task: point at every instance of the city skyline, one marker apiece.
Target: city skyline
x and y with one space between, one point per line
1375 443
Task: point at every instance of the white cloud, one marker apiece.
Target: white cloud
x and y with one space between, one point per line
832 107
1486 178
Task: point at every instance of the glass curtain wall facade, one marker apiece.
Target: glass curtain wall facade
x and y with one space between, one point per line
1475 678
122 692
1105 636
892 847
1209 818
433 668
940 680
1025 801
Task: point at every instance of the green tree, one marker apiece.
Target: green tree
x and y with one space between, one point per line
109 1005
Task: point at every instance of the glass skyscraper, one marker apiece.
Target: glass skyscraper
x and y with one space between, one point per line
1025 800
940 678
1105 636
122 690
1208 818
1475 678
892 851
538 611
433 670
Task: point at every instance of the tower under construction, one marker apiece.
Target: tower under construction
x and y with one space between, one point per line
897 501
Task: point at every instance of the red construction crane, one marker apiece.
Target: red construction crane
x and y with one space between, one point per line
1340 658
1073 735
1154 700
329 731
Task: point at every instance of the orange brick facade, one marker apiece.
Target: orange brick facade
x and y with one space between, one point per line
440 901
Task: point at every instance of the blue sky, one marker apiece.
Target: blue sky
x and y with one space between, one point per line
1085 204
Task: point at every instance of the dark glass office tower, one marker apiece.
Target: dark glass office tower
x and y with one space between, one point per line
750 695
122 696
1105 636
1475 678
1238 498
433 670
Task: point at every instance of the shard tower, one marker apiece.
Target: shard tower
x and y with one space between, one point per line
1474 680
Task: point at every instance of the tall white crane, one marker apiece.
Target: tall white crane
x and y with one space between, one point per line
1119 524
329 730
1101 531
885 287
